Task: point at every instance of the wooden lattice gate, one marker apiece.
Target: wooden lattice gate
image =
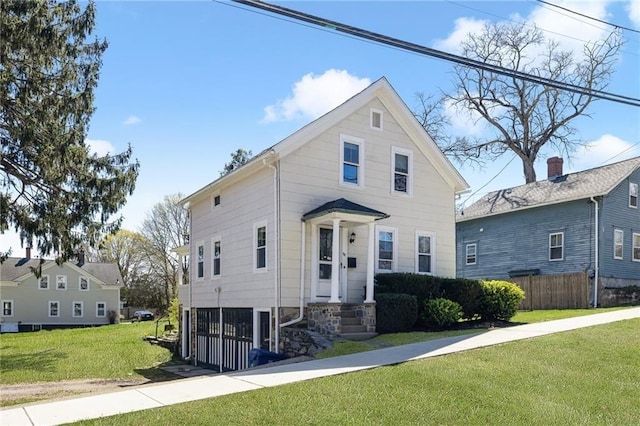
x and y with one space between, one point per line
224 345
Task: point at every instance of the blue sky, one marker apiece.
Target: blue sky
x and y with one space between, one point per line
187 83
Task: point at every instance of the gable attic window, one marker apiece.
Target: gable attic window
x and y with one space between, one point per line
556 246
216 200
633 195
61 282
376 119
351 161
84 284
618 244
43 282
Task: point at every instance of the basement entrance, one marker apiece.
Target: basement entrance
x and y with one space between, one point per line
223 343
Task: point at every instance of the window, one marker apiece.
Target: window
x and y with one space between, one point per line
101 309
471 254
556 245
402 164
215 262
376 119
636 248
325 252
54 308
61 282
216 200
386 252
351 156
260 246
84 284
77 309
43 282
618 242
633 195
7 308
200 261
425 253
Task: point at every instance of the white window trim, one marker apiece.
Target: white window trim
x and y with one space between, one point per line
562 246
396 150
216 239
355 141
256 226
48 282
431 235
197 258
475 255
65 282
371 113
637 194
2 302
104 309
618 231
73 309
634 246
49 308
394 254
80 283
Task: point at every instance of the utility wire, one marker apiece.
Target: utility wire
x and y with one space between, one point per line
587 16
411 47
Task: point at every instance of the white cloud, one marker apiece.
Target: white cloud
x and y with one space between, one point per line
99 147
131 120
605 150
633 7
463 27
314 95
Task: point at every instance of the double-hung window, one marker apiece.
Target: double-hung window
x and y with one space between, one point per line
260 246
633 195
618 244
43 282
425 242
386 249
636 248
61 282
7 308
215 262
556 246
83 284
54 308
402 166
471 255
200 261
78 309
101 309
351 161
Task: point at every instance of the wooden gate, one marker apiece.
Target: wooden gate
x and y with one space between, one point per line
224 345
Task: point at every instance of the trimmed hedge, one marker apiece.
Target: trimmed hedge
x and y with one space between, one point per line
500 300
441 312
395 312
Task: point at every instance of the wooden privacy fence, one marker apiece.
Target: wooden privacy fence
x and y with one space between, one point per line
567 291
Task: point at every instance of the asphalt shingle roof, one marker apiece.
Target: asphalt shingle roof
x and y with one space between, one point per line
343 206
573 186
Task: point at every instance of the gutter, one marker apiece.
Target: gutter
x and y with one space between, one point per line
596 255
276 272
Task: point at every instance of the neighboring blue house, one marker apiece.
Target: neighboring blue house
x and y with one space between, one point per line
549 227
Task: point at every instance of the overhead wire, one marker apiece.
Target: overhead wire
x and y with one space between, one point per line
587 16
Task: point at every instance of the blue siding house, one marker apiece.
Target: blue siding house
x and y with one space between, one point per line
584 221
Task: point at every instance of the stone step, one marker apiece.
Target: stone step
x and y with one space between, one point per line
353 329
358 336
349 313
350 321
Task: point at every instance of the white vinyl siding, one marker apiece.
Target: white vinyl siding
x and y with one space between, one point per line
7 308
402 171
633 195
618 244
386 249
425 252
352 161
260 246
556 246
216 244
200 261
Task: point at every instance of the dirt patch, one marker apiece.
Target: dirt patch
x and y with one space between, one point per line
30 392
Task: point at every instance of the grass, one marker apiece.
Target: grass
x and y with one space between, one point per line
107 352
525 317
580 377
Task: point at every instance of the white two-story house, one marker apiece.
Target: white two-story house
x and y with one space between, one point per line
299 232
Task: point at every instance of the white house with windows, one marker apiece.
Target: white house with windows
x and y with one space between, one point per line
40 294
299 232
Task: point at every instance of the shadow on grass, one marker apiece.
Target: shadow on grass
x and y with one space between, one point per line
158 374
33 361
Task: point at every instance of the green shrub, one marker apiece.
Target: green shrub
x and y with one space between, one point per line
465 292
500 300
441 312
395 312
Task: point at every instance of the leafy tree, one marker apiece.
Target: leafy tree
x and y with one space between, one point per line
523 116
238 158
52 189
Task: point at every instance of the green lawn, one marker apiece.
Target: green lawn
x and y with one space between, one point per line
107 352
582 377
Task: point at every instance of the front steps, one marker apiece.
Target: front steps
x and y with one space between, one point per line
352 328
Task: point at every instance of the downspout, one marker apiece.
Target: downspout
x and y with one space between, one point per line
276 272
596 269
192 352
302 262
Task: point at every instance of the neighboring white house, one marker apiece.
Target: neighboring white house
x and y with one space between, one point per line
38 295
300 230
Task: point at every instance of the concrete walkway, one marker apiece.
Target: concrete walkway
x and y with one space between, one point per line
209 386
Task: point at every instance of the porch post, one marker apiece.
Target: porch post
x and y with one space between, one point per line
335 263
370 264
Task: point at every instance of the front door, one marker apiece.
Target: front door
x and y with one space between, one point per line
325 263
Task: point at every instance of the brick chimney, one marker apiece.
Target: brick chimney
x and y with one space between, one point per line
554 167
27 254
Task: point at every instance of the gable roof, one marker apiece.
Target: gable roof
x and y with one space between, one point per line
16 269
380 89
573 186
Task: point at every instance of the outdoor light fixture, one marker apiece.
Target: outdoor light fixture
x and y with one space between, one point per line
352 237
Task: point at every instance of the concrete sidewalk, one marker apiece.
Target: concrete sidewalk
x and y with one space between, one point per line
209 386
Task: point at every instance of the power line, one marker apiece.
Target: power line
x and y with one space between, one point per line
587 16
411 47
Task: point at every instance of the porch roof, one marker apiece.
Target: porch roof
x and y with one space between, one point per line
343 206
